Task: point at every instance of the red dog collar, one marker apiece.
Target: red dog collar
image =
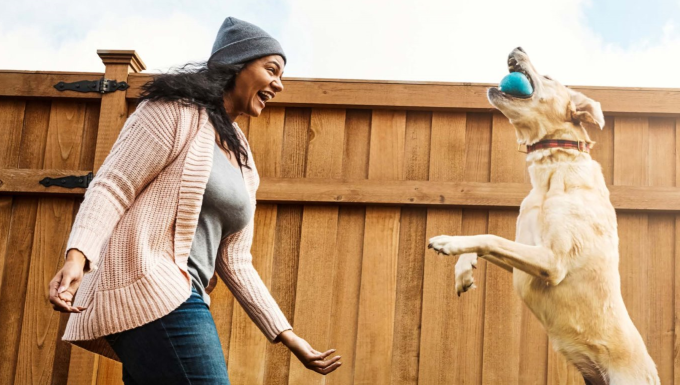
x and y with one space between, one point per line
559 143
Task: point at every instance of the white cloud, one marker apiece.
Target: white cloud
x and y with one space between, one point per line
425 40
465 42
161 42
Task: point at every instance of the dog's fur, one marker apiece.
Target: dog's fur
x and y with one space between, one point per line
565 257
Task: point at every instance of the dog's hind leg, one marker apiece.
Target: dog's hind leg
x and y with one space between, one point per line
538 261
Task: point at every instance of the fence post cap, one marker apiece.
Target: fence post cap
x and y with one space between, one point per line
129 57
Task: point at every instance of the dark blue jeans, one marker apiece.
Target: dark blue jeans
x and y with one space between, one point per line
181 348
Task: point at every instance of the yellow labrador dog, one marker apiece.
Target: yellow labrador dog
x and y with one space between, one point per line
565 256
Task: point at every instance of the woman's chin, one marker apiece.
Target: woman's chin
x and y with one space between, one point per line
255 111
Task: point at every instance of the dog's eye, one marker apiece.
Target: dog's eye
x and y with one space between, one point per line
547 77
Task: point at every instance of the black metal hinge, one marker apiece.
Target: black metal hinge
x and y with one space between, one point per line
71 181
102 86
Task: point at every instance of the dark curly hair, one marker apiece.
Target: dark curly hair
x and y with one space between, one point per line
202 84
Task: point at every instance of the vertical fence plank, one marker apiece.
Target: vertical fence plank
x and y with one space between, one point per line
350 243
439 323
63 352
410 264
288 227
676 267
661 247
12 121
247 348
20 240
40 322
631 145
379 265
318 241
603 151
504 316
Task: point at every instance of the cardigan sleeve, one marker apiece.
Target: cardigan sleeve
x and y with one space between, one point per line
143 148
234 266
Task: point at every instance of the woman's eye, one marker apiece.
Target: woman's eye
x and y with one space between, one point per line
270 70
547 77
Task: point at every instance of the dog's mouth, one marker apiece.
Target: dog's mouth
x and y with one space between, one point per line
515 66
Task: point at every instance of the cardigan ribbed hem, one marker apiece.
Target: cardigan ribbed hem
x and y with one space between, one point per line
151 297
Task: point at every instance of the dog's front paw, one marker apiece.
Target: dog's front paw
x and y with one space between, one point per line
441 244
464 269
452 245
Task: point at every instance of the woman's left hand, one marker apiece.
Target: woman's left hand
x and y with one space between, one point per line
310 358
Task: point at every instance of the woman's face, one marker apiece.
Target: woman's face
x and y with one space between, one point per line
256 84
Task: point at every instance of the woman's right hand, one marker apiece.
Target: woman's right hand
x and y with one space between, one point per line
64 285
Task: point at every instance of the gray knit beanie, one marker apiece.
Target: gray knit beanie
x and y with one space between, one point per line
239 41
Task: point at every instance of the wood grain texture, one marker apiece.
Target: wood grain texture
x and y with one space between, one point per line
375 333
41 84
349 256
287 247
318 242
410 263
112 115
12 114
660 303
603 151
266 141
54 216
676 267
504 318
631 146
439 297
346 292
447 154
441 96
20 240
247 346
396 193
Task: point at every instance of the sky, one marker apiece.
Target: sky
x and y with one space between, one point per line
623 43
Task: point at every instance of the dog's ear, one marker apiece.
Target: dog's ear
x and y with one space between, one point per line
585 110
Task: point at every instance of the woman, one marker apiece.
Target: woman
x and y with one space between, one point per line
172 204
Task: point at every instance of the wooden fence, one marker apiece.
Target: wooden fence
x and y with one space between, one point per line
356 176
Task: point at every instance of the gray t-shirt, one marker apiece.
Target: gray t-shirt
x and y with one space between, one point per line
225 211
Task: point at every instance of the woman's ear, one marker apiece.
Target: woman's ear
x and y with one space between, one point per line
585 111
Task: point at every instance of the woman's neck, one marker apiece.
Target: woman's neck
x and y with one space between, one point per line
232 112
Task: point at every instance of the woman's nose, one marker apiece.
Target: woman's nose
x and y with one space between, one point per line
277 84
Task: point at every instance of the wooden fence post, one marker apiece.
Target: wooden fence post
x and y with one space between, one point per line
87 368
114 106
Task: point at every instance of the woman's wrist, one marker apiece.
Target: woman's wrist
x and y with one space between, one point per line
286 336
76 256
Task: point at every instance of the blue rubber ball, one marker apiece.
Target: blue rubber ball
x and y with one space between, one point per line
515 83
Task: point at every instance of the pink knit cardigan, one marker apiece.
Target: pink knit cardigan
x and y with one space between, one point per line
138 219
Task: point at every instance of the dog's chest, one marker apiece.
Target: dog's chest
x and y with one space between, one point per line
528 231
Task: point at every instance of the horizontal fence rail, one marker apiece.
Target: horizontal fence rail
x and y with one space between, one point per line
363 191
363 93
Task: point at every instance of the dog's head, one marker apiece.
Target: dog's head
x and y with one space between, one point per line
551 111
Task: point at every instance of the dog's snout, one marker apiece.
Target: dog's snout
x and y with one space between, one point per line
520 49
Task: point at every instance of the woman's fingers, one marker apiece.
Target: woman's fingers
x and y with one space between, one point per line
326 363
57 303
60 295
322 356
328 368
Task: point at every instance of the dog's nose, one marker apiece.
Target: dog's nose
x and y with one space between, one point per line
521 49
